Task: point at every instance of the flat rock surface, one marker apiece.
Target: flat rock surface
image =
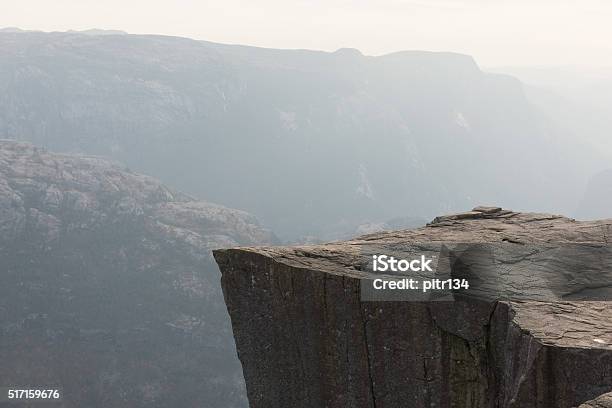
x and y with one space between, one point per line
567 324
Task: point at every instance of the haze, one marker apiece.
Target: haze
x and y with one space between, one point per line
496 33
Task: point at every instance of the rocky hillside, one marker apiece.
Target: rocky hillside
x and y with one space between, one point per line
535 331
312 143
108 288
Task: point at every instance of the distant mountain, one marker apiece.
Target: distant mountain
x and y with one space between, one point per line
11 30
313 143
96 31
597 197
108 288
577 100
400 223
577 103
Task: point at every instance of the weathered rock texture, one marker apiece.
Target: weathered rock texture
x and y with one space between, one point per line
108 288
604 401
305 339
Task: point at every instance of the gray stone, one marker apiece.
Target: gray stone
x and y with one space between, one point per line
305 338
603 401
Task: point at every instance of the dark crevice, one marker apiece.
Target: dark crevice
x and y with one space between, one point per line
368 359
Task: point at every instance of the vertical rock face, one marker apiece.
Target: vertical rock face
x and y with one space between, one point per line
108 288
306 339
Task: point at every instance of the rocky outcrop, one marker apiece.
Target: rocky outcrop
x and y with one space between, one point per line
536 332
604 401
108 288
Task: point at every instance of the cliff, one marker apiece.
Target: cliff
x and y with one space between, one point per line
108 288
541 338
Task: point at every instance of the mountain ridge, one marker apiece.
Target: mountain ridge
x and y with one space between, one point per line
338 124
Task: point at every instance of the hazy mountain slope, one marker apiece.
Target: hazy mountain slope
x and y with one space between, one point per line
577 100
577 103
312 143
108 288
597 197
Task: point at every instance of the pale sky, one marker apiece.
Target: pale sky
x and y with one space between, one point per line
495 32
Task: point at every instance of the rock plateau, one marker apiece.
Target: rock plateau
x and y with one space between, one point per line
306 339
